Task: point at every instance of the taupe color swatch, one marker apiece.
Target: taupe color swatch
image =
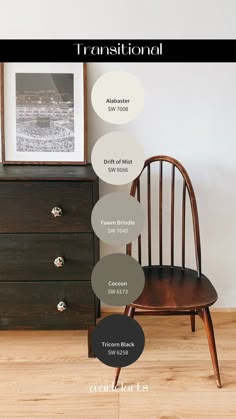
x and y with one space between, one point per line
117 218
118 279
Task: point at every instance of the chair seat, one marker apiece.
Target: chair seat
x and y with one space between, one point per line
174 288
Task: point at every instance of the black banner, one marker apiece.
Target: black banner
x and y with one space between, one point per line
93 50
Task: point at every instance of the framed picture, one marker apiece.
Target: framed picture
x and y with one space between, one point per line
43 113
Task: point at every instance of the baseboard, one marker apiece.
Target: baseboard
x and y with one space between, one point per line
112 309
106 309
224 309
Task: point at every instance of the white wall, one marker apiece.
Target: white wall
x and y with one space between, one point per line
190 114
117 19
189 108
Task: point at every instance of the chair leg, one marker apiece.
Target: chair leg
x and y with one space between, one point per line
116 377
192 319
206 317
129 311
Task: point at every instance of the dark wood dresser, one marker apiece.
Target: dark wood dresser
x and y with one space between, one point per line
47 247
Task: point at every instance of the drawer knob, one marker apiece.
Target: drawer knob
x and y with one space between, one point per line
61 306
57 212
59 262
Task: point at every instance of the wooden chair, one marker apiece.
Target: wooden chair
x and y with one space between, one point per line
170 289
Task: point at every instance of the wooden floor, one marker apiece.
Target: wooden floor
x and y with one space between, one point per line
48 375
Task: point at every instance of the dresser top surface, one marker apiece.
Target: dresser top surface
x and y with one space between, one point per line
44 172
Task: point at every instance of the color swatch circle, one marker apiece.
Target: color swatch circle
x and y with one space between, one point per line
117 218
118 340
117 158
118 97
117 279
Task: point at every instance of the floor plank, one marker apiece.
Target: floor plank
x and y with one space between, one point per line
47 374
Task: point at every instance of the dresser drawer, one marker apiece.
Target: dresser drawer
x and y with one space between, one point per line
33 305
30 257
26 206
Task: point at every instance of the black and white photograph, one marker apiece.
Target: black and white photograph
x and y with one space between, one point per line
44 112
43 107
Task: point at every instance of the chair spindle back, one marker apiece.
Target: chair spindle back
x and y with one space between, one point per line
187 189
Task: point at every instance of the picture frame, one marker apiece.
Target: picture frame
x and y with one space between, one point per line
44 113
